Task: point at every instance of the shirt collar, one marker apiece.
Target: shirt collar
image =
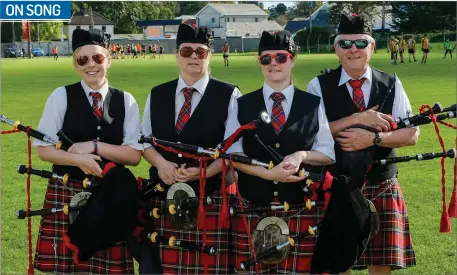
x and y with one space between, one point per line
288 92
103 90
200 85
345 77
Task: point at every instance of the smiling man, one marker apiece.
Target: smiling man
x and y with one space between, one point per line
356 93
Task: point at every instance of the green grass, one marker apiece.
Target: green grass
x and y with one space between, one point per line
27 83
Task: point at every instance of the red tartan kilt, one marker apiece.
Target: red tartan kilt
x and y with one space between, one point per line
114 260
392 246
181 261
299 257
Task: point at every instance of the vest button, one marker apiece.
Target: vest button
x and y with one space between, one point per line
98 138
275 193
99 127
277 145
180 155
275 182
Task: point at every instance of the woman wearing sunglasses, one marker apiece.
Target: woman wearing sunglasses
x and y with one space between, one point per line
356 93
193 109
299 131
79 111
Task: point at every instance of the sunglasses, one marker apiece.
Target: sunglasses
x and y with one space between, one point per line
97 58
280 58
359 43
187 52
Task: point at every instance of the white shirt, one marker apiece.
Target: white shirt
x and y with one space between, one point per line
56 106
323 142
200 86
401 105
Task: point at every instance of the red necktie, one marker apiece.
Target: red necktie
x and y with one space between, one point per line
184 113
96 106
357 94
278 118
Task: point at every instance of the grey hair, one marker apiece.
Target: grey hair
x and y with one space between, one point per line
366 36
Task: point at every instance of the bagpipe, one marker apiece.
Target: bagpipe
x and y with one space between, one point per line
349 222
114 197
177 195
155 186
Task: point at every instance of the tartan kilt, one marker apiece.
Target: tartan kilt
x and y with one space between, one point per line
51 253
392 246
181 261
299 257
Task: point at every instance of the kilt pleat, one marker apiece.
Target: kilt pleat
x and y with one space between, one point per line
392 246
51 253
181 261
299 257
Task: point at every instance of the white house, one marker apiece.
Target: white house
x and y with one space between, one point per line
82 20
217 16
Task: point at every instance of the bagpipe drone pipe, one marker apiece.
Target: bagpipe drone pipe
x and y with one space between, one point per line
114 197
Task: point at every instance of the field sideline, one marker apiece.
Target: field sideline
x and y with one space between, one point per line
27 83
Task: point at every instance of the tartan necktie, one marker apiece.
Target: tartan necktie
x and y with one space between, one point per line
357 94
278 118
184 113
97 104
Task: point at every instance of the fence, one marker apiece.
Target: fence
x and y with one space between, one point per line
237 44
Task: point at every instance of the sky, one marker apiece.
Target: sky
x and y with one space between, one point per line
267 4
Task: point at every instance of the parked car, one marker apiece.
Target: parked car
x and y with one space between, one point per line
10 52
38 52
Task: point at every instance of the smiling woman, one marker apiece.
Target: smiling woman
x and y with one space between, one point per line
80 110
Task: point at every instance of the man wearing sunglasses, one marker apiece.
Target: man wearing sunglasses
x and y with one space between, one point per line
100 128
355 93
298 131
191 109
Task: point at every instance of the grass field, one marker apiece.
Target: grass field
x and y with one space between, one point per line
27 83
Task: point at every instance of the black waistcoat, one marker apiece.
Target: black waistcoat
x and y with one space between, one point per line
298 134
205 128
338 105
81 125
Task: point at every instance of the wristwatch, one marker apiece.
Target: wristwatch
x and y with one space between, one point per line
377 139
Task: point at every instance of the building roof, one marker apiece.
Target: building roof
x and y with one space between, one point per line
146 23
236 9
83 18
320 18
251 29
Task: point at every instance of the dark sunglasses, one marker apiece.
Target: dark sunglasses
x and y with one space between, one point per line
280 58
359 43
97 58
187 52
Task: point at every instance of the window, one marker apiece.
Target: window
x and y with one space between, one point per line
233 19
213 20
256 19
90 27
78 27
104 28
228 19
